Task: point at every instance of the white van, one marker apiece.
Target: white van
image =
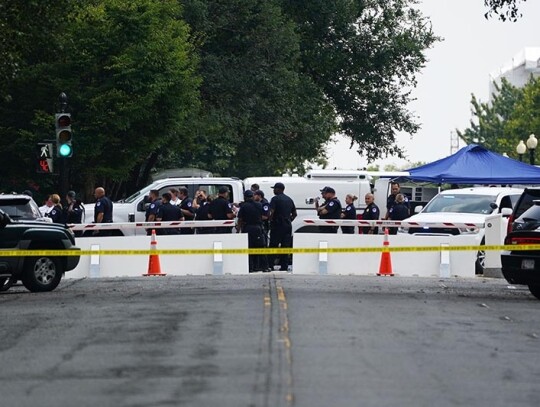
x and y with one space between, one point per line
304 190
133 208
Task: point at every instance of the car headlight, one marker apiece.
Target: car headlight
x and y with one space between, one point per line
403 229
469 231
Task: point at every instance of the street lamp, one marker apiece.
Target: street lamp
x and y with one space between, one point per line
532 142
520 149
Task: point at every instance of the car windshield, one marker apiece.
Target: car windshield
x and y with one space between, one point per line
461 203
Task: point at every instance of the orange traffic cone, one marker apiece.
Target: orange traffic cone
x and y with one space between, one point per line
385 268
154 267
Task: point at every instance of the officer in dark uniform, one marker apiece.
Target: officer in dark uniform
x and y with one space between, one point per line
349 213
330 209
221 209
391 200
258 196
399 211
187 209
250 222
167 212
372 212
57 212
74 210
153 208
282 213
103 211
201 213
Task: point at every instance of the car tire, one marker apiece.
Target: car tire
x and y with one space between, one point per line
480 263
42 273
535 290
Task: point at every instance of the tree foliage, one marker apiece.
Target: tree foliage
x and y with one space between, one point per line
488 125
237 87
512 115
129 71
504 9
364 55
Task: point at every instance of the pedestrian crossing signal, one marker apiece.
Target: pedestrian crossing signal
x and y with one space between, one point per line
64 147
44 162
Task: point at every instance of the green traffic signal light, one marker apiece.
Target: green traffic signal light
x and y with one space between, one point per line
65 150
64 147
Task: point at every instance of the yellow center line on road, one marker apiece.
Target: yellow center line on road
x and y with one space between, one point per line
286 340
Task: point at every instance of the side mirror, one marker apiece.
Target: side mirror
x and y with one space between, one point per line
493 205
4 219
418 208
506 212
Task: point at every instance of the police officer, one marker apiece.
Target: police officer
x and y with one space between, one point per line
186 205
330 209
250 222
103 211
372 212
57 212
258 196
391 200
74 211
349 213
398 211
221 209
167 212
282 213
152 210
201 213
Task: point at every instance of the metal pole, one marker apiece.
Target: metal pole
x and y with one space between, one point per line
531 156
63 168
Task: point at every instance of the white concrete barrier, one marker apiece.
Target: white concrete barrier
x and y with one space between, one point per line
414 263
137 265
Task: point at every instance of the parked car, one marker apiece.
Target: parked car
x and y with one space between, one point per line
465 205
21 207
523 266
40 272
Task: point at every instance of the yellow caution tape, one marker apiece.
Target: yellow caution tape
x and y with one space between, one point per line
286 250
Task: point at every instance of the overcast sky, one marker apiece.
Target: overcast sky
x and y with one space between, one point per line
472 48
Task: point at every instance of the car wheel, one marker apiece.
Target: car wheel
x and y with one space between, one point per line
6 283
535 290
480 263
42 274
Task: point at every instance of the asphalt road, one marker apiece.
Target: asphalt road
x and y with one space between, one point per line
271 340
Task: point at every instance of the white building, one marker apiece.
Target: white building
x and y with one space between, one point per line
517 71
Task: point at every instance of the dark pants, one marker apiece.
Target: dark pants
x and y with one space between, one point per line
281 236
347 230
257 262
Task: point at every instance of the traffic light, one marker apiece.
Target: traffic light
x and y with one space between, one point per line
64 148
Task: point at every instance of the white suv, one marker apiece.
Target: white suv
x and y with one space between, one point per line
467 205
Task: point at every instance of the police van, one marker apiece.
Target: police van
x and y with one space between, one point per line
133 208
305 190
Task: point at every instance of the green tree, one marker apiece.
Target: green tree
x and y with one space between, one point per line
364 56
525 118
489 123
260 114
130 72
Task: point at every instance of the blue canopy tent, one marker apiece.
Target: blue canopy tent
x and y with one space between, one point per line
475 164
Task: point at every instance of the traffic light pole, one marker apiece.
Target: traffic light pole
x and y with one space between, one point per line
63 165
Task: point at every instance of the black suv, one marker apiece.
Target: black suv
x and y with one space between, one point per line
523 266
40 272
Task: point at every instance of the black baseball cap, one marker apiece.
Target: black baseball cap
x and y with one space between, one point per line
259 192
279 185
248 194
71 194
328 189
